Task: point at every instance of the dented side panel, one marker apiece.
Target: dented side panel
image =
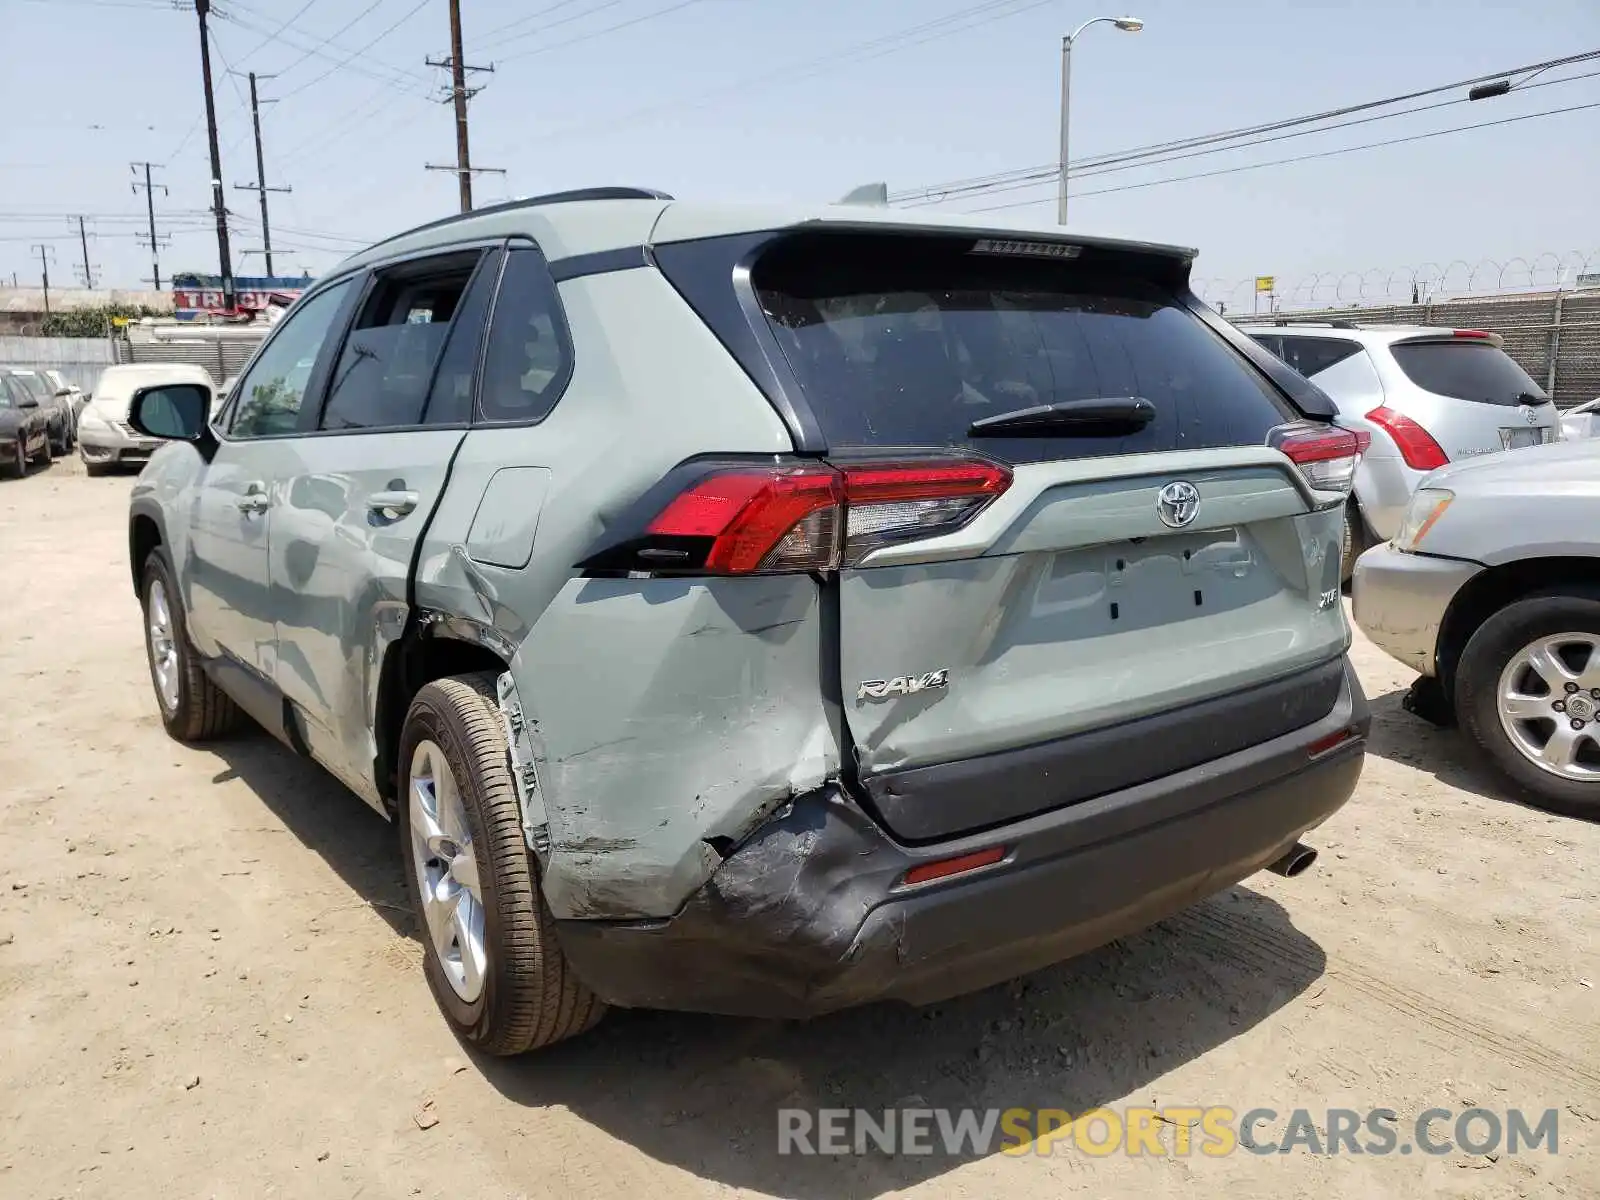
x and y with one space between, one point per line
703 717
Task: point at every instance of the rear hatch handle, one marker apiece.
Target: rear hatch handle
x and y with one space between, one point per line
1101 416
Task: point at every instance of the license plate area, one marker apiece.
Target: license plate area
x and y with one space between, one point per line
1516 439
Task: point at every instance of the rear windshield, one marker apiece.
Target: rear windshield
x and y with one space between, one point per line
906 341
1467 370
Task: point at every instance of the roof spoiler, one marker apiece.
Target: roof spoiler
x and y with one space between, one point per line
874 195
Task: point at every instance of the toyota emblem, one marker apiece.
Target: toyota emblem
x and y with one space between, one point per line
1178 504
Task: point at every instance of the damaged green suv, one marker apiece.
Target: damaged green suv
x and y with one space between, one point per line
764 612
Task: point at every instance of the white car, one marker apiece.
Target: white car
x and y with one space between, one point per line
1581 422
1425 396
105 439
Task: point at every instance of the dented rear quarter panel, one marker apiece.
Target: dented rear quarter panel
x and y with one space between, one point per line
662 713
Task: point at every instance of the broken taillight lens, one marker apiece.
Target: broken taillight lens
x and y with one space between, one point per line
816 517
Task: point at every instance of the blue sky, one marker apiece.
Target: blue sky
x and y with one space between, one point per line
765 99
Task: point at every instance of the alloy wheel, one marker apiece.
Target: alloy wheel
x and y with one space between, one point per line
446 869
1548 701
163 646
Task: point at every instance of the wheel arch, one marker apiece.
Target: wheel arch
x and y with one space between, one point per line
146 531
433 646
1489 591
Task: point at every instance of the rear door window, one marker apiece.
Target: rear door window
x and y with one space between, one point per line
1313 355
386 368
902 341
1467 370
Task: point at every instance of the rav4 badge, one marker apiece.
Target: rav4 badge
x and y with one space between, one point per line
902 685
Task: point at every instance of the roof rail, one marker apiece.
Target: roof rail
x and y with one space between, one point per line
576 195
1282 322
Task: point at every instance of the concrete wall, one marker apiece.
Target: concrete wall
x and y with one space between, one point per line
79 359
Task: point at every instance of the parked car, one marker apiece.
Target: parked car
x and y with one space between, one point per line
24 426
1581 422
54 402
1491 589
105 439
76 397
1424 396
761 611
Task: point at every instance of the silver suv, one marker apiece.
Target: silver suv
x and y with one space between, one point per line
1422 396
764 612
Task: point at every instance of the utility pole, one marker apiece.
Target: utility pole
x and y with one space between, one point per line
150 207
83 240
459 95
202 9
260 184
44 268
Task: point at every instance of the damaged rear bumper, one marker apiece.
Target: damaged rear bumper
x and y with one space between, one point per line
811 915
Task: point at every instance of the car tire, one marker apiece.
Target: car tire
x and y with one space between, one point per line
47 452
192 707
95 470
520 993
17 459
1353 543
1492 663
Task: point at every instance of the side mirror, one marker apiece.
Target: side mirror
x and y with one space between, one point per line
28 402
176 411
63 391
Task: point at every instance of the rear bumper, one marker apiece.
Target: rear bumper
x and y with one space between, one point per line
809 915
1401 600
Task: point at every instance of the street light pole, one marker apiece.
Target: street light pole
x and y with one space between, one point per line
1127 25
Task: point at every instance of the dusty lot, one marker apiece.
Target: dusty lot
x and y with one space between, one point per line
210 987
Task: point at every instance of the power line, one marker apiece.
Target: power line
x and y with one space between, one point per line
279 31
341 56
1111 164
960 21
1278 162
150 211
584 37
357 53
527 18
567 20
972 184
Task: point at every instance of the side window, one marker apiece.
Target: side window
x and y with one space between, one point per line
1273 345
530 352
268 398
386 367
450 401
1311 355
7 398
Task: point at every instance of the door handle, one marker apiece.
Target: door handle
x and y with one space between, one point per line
392 504
254 500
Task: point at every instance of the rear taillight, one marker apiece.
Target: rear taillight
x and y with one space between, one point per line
1326 454
1480 335
1417 448
814 517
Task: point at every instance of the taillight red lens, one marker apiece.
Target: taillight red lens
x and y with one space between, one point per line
813 517
752 515
1476 334
1417 448
1326 454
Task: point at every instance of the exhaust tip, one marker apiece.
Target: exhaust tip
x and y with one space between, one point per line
1298 859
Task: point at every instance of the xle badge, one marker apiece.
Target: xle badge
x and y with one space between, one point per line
902 685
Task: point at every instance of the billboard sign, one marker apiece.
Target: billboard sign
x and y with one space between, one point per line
196 297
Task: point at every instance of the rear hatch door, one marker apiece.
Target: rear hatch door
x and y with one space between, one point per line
1154 587
1478 400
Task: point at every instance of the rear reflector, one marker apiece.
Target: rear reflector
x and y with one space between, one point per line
1324 744
1326 454
815 517
947 867
1417 448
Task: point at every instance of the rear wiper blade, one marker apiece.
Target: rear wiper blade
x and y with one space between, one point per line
1532 398
1102 416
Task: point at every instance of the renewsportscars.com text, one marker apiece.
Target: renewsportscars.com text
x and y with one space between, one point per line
1180 1130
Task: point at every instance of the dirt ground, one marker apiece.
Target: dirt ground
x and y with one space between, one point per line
210 986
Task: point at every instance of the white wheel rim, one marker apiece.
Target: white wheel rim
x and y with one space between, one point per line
1548 699
446 869
163 647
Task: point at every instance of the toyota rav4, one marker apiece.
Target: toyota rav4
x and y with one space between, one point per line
764 612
